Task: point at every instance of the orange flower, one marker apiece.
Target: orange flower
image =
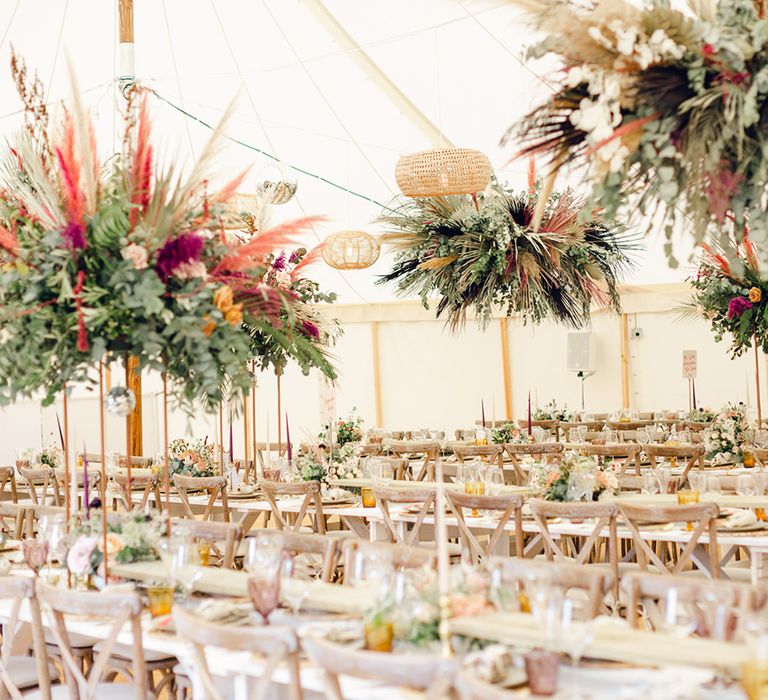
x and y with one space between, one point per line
234 315
755 295
223 298
210 326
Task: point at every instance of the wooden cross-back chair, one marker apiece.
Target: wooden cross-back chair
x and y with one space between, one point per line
213 487
399 465
644 591
387 495
492 454
149 484
595 548
507 505
224 537
702 517
318 552
549 451
19 520
94 479
41 483
553 425
427 449
761 456
20 673
595 582
309 490
277 644
8 479
590 425
426 672
401 556
692 454
625 454
121 609
370 449
622 426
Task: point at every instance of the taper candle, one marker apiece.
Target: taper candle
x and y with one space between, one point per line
231 446
288 439
61 434
85 483
530 425
693 386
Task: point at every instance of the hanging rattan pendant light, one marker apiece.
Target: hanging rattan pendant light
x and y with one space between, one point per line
443 171
351 250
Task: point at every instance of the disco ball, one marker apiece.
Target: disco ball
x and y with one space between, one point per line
120 401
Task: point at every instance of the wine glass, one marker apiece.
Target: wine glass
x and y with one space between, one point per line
264 591
642 436
745 485
583 430
650 483
576 637
676 618
697 481
494 480
262 552
296 588
35 554
713 485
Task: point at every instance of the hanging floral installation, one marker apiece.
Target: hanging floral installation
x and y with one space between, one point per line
731 296
303 333
127 258
482 252
666 106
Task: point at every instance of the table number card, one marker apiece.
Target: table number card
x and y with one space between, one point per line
689 364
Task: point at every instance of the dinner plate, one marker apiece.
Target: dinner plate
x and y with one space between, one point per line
241 495
515 678
752 527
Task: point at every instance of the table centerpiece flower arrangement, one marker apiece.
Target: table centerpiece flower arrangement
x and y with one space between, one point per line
726 437
125 258
349 429
702 415
190 458
551 411
49 457
508 434
665 106
553 482
481 253
131 537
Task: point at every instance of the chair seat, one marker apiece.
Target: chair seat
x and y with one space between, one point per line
23 671
113 691
125 651
76 641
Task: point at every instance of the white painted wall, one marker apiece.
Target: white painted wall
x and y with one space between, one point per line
433 378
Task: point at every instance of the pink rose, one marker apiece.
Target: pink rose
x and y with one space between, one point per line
79 556
136 254
191 270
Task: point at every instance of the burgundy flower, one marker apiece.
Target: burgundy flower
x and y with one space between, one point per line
279 262
313 331
737 306
185 248
74 236
294 257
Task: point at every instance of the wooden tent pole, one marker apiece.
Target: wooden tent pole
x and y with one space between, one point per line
503 327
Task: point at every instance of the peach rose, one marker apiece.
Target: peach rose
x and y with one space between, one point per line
234 315
210 326
137 255
223 298
755 295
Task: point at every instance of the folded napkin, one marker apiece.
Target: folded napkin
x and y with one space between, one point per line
246 488
741 518
491 664
222 611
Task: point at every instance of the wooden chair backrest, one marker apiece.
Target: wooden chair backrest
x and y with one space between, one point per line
213 486
761 456
151 484
17 590
45 478
626 453
122 461
385 495
493 454
370 449
215 532
693 454
427 449
121 609
25 517
628 424
508 505
646 590
550 451
276 643
310 490
401 556
399 466
8 478
591 426
319 550
701 515
594 581
428 672
605 515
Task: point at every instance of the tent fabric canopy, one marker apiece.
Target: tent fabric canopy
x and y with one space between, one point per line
339 88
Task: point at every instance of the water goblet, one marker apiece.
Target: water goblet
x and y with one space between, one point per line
264 592
650 483
35 554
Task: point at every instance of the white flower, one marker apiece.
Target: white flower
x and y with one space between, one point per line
191 270
137 255
282 278
625 39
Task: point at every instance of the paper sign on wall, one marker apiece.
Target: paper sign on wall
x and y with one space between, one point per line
327 402
689 364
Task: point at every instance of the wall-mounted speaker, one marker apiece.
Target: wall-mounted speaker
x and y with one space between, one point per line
580 355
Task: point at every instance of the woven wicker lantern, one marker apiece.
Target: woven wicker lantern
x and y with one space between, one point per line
443 171
351 250
241 213
276 183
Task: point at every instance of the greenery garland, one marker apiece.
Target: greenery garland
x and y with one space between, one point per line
667 106
484 252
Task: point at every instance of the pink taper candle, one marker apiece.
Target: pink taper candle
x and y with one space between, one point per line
530 425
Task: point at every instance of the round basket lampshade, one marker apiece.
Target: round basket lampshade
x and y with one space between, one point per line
351 250
241 212
443 171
